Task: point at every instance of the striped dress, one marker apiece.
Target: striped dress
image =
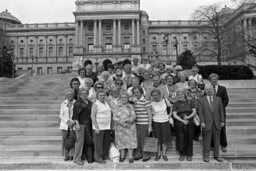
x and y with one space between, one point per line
103 116
141 107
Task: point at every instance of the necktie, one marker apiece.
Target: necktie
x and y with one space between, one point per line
211 102
214 90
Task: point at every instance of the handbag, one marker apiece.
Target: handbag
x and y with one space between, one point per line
171 121
150 144
114 153
196 120
70 139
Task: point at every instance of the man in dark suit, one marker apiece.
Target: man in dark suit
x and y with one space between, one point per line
221 91
211 116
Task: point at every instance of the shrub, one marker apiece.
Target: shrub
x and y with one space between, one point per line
227 72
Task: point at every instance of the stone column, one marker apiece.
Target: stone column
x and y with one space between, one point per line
133 32
95 33
245 24
46 47
119 32
100 33
138 32
114 32
36 47
81 33
77 33
56 46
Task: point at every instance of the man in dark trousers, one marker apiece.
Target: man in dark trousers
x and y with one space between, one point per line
211 116
221 91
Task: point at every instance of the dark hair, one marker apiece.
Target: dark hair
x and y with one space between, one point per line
110 66
169 75
162 64
98 83
81 69
189 82
73 80
120 63
155 90
119 80
138 88
127 61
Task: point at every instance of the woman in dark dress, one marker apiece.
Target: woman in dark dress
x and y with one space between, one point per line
183 112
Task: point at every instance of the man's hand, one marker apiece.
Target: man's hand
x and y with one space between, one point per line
97 131
185 122
202 125
78 128
222 124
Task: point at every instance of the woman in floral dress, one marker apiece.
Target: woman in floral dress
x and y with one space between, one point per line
125 132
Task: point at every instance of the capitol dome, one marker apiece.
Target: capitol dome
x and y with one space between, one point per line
9 18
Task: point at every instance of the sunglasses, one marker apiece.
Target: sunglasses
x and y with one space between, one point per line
119 75
119 83
100 87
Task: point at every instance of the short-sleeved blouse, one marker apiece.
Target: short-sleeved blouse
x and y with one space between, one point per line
183 108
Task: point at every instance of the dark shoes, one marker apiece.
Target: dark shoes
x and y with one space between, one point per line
224 149
165 158
66 158
189 158
181 158
157 158
218 159
121 160
145 160
131 161
137 158
71 158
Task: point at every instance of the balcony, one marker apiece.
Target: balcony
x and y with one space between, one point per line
42 25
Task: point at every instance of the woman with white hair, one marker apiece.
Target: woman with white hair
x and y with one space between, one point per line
66 122
176 73
106 81
183 84
184 112
81 72
92 93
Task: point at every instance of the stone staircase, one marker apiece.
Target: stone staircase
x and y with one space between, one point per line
29 123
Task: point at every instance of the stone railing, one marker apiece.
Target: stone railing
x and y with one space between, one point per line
178 23
42 25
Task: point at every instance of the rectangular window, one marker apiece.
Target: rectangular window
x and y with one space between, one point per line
70 51
108 39
41 52
164 47
90 39
144 41
126 46
154 47
61 51
90 47
21 52
185 47
126 27
70 69
90 27
39 70
144 49
108 47
31 52
51 51
49 70
144 33
108 27
59 70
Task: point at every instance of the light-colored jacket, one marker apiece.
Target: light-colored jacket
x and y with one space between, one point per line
65 115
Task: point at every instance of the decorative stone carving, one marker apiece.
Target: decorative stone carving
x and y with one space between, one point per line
77 63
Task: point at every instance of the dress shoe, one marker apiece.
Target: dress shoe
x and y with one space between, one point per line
121 160
79 162
165 158
224 149
206 159
131 160
181 158
157 158
196 138
145 160
66 158
137 158
189 158
218 159
71 158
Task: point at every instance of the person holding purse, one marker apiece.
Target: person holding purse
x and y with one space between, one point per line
66 122
82 117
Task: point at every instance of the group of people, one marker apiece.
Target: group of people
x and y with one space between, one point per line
125 103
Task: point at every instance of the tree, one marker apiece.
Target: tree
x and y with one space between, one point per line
186 60
210 13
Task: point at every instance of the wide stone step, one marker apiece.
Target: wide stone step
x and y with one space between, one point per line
29 117
52 97
30 111
241 110
30 132
30 124
29 106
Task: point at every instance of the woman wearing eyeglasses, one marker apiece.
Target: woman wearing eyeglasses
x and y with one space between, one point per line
101 123
120 85
147 83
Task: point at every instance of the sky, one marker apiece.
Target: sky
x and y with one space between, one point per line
50 11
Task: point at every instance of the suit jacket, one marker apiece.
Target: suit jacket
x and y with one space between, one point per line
222 93
210 116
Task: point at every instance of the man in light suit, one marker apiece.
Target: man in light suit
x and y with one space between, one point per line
221 91
211 116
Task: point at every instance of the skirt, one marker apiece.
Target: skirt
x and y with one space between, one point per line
162 131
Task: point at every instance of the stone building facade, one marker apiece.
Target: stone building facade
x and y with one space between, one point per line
112 30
